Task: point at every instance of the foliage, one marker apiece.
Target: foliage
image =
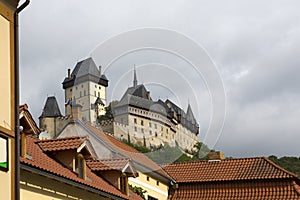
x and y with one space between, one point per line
108 113
138 190
291 164
141 149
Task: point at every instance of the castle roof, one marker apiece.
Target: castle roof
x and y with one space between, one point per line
85 70
51 108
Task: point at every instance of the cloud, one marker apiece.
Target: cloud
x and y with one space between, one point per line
255 45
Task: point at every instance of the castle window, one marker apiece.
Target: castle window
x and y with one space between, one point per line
162 128
157 183
155 126
150 124
71 90
148 178
84 93
98 94
135 128
142 122
155 134
150 132
99 88
142 130
135 120
76 88
95 93
80 166
80 93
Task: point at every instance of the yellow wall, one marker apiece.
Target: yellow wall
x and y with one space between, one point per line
159 191
37 187
7 97
5 74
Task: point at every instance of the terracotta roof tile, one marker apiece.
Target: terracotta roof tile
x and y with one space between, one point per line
40 160
233 179
107 164
61 143
225 170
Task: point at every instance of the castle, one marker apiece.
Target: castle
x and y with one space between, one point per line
136 117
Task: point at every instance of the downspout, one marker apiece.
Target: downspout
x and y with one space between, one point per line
17 96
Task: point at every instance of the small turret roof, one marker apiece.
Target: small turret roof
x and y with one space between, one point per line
51 108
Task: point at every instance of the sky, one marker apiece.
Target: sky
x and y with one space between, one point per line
250 46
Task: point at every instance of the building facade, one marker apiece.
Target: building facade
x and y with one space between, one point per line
9 98
86 86
153 123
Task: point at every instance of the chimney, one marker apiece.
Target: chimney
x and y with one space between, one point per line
76 112
100 70
148 95
69 73
216 156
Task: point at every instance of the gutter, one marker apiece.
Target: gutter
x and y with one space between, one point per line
17 99
68 181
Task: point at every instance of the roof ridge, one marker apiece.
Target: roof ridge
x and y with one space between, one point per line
63 138
280 168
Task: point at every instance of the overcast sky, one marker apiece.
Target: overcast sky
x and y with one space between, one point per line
254 46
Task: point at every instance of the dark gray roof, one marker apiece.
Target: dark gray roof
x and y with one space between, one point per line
99 101
51 108
85 70
138 91
86 67
190 116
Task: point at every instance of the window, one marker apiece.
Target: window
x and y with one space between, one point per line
95 93
135 120
98 94
80 166
155 126
123 184
155 134
71 90
162 128
142 122
150 132
81 86
84 93
4 153
142 130
148 178
157 183
150 124
135 128
80 94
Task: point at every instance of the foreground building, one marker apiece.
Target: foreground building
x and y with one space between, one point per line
9 90
151 177
233 179
67 168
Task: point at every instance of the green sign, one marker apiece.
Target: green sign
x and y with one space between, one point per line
3 153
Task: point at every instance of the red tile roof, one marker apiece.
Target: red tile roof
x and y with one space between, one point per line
233 179
226 170
107 164
61 143
128 151
38 159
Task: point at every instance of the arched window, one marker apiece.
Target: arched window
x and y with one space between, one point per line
80 166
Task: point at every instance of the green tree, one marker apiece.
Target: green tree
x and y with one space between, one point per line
138 190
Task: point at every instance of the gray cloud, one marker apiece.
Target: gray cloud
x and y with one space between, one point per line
255 45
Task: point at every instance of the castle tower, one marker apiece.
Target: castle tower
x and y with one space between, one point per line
49 117
86 86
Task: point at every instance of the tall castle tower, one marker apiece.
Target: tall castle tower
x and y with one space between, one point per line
86 86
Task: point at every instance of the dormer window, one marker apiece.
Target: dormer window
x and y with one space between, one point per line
80 166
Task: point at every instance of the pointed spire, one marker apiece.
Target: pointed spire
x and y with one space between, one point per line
134 78
190 115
